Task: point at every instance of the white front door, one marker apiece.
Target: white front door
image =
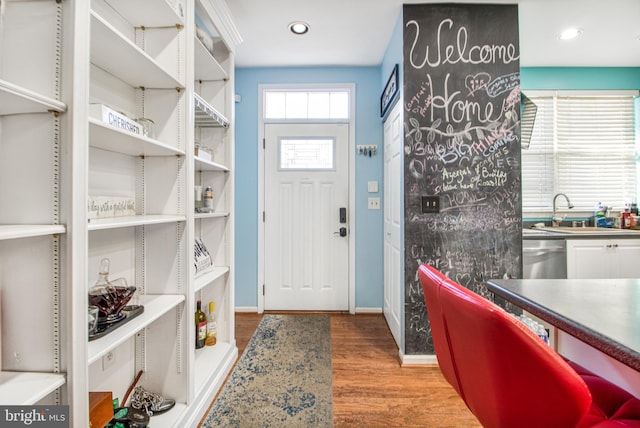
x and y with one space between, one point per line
306 185
393 275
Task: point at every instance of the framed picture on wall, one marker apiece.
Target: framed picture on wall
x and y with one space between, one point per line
390 92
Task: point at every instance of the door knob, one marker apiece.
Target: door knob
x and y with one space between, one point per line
341 232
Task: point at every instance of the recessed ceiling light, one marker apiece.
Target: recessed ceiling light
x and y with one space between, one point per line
570 33
299 27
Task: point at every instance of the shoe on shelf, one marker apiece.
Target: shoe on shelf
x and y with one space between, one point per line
150 402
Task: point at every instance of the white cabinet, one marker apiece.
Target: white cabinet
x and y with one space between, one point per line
63 169
603 258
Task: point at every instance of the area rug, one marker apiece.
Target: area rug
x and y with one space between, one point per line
283 378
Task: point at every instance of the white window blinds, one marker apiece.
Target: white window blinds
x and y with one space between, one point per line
583 146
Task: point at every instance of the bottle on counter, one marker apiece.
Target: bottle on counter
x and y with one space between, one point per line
212 328
201 326
625 221
600 215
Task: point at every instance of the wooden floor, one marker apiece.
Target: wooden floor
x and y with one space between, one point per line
370 389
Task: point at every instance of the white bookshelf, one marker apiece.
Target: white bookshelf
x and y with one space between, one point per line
106 137
155 306
117 55
209 276
17 100
19 231
132 221
26 388
140 57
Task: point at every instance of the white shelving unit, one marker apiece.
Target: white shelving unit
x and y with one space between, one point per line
130 221
209 276
113 52
206 115
17 100
33 232
17 231
106 137
24 388
142 59
154 308
137 67
213 112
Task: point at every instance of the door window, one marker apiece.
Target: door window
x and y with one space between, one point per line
306 104
306 153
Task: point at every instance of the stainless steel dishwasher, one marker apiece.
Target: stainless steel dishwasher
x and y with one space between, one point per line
544 259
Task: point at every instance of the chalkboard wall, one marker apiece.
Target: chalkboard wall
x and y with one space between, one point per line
463 212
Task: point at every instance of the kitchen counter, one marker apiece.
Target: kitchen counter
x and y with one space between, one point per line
579 233
603 313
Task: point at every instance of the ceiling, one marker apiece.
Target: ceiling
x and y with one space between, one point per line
357 32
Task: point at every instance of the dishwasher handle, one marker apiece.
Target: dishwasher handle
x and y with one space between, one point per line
543 251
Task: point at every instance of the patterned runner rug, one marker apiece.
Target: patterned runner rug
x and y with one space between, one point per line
283 378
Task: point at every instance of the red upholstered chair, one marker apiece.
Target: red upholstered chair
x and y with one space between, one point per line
507 376
436 320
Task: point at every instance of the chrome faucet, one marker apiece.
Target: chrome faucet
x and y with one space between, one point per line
556 218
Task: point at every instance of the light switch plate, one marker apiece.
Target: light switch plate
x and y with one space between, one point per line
374 203
430 204
372 186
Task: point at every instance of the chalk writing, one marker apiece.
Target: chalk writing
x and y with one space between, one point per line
462 144
452 53
503 84
476 83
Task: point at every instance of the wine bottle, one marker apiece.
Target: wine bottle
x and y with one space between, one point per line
201 326
212 328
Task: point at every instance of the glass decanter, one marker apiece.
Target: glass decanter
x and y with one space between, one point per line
110 296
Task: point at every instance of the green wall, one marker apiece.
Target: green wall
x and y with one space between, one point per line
586 78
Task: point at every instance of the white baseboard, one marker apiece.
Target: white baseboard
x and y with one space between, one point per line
368 310
418 360
254 310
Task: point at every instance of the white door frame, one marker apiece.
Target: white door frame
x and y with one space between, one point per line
352 179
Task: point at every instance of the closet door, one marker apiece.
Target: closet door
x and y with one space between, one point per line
393 185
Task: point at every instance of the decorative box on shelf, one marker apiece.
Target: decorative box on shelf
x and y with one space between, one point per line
100 408
203 153
110 206
115 119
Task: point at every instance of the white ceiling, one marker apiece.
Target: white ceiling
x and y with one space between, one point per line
356 32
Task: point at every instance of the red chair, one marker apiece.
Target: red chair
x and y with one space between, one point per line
438 333
506 374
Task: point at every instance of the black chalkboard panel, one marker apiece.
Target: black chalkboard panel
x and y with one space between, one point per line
463 212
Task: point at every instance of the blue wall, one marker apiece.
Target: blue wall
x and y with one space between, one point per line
369 83
393 56
368 223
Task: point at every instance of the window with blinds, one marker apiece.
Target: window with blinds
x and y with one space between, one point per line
583 146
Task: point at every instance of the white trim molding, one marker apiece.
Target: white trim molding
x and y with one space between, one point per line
351 212
417 360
